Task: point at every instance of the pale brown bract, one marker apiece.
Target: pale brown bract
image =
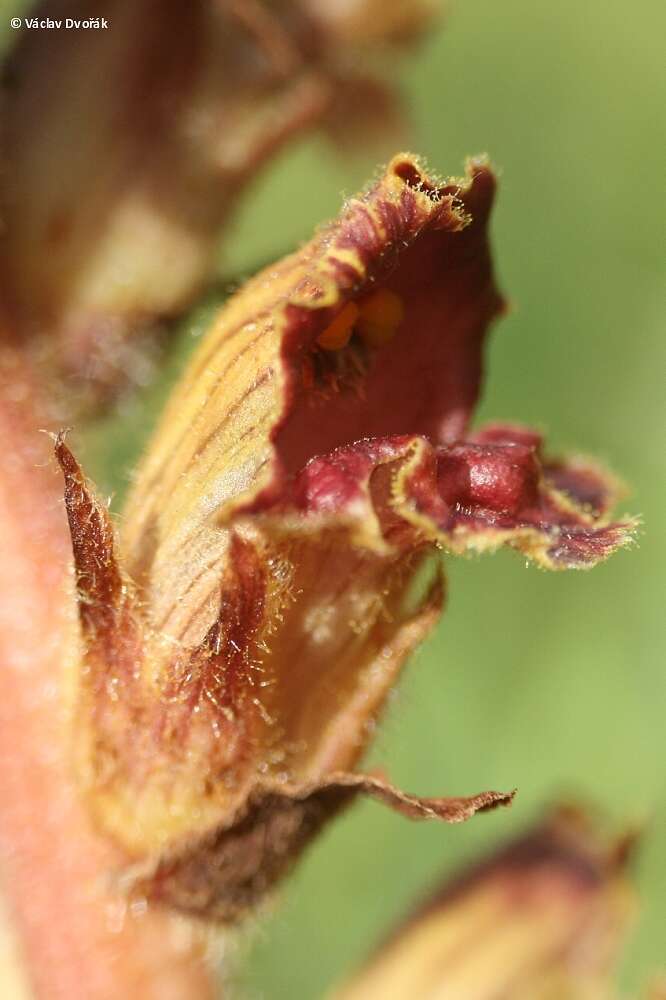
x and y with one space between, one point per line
241 634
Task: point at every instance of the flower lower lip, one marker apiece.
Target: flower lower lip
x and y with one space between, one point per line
491 489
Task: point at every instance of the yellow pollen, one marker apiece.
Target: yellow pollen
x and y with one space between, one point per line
380 316
337 334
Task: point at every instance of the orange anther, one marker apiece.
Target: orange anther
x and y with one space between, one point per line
380 316
337 334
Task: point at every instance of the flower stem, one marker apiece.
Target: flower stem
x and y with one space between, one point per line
72 928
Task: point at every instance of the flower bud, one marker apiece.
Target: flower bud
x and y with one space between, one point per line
541 920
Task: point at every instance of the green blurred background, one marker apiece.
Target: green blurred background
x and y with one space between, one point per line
551 683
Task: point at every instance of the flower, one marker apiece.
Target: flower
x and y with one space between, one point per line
542 918
240 637
125 156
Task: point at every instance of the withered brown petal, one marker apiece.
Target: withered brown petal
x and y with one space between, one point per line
230 873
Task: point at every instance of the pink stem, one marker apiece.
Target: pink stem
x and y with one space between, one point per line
75 934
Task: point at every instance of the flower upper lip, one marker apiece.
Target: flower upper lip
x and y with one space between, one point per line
427 246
